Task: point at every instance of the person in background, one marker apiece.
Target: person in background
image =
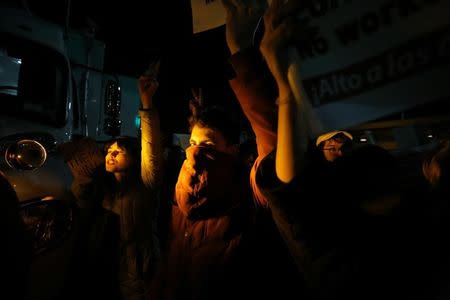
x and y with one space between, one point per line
16 251
434 217
334 144
436 166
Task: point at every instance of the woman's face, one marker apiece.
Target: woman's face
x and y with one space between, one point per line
117 159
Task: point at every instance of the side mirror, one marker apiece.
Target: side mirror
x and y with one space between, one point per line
26 155
113 99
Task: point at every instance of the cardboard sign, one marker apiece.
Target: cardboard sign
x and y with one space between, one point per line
372 58
82 156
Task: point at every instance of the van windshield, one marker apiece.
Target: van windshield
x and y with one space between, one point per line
33 81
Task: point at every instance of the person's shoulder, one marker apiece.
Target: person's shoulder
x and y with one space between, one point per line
7 189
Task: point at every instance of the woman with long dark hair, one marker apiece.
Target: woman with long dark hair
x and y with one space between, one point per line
118 201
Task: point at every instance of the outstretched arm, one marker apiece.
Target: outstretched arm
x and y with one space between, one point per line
253 84
295 114
151 153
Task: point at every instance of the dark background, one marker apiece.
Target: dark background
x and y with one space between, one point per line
138 32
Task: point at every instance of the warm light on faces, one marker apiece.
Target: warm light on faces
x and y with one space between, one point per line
117 159
208 137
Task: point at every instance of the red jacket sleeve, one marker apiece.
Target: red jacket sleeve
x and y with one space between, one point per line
255 90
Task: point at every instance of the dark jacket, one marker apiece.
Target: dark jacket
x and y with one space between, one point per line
119 245
238 252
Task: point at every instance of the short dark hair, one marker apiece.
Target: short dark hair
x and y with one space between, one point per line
218 118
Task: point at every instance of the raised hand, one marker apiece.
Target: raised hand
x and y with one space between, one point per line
242 21
283 31
148 84
280 29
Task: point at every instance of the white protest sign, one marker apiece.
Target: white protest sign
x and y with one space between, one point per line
370 58
374 58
